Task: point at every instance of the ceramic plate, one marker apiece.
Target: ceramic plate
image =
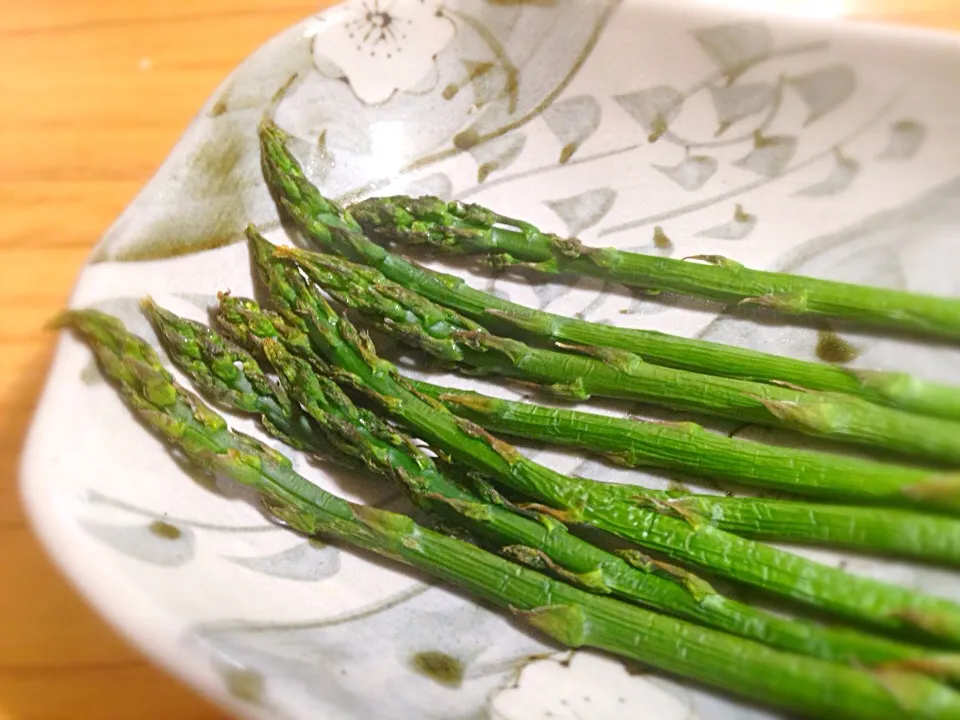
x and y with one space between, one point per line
661 127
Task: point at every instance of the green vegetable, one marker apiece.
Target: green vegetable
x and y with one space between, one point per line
233 378
538 540
893 532
336 231
466 228
573 500
638 443
606 372
570 616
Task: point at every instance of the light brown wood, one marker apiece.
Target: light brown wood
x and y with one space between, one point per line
95 94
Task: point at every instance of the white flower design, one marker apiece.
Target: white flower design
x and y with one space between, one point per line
380 46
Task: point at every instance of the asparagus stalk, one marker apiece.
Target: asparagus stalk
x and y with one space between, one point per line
538 539
610 373
575 500
570 616
892 532
689 448
334 230
468 228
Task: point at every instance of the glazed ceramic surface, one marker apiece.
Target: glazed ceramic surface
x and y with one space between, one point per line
660 127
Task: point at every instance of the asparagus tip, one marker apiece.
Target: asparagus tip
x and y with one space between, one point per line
60 320
565 623
471 401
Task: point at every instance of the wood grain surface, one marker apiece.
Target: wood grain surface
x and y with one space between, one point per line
93 98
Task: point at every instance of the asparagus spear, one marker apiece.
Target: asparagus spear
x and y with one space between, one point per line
893 532
540 540
606 372
334 230
468 228
575 500
570 616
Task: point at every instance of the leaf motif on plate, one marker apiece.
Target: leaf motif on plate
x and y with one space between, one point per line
591 307
490 81
653 108
692 172
734 47
497 154
572 121
318 160
443 668
91 375
415 647
211 186
906 137
735 102
770 155
824 90
438 185
497 292
243 683
157 542
548 292
660 244
584 210
738 228
841 175
305 562
566 689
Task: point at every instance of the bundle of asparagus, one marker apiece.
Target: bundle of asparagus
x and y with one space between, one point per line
894 532
301 368
573 617
606 372
231 378
336 231
575 500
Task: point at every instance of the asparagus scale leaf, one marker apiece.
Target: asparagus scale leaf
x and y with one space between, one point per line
606 372
469 228
570 616
696 543
538 540
333 230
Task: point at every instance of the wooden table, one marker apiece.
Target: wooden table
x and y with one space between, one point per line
94 98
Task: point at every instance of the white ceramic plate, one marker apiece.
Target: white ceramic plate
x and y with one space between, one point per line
823 149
